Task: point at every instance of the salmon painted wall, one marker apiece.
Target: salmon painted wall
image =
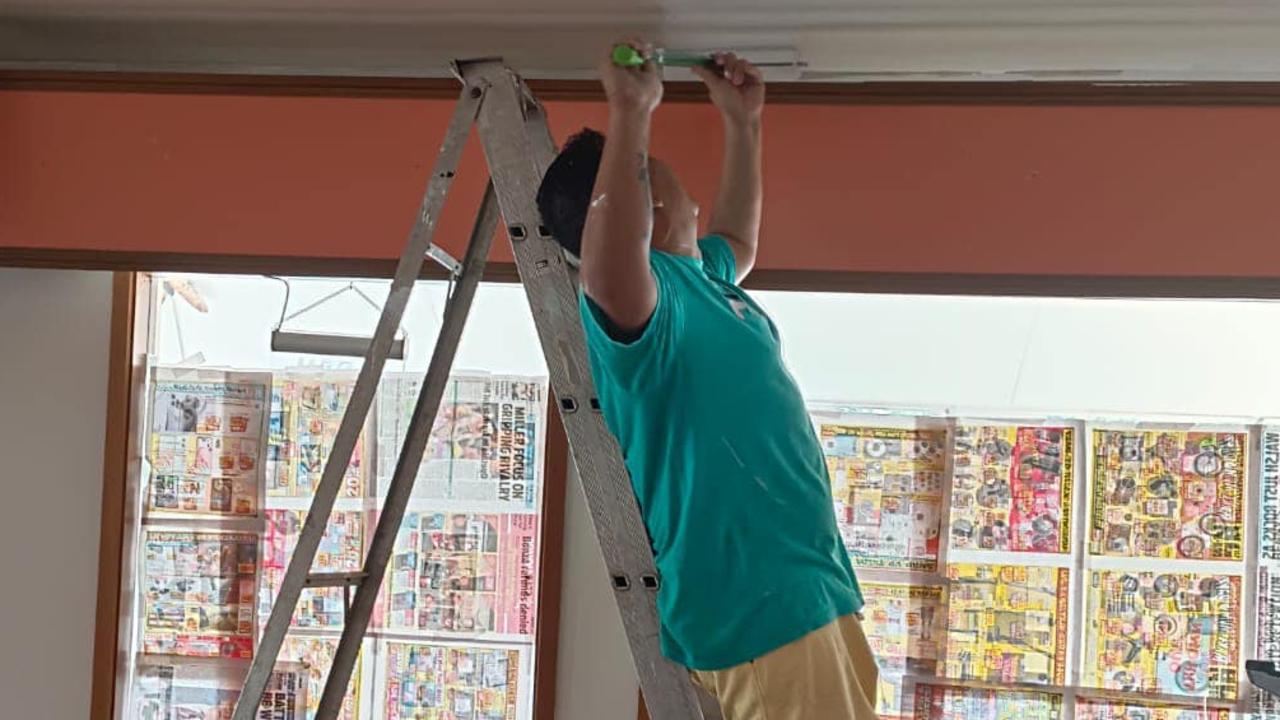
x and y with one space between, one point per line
984 189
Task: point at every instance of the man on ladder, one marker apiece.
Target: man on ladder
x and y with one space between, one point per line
757 595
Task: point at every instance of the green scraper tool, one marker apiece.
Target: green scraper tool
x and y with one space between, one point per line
626 56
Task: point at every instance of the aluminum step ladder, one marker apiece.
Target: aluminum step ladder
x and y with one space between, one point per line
518 148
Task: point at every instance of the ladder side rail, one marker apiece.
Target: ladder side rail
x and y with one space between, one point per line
408 269
418 434
518 148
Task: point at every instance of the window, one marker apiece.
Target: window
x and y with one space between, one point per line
1059 508
234 442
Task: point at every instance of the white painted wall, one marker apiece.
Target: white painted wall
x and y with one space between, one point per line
54 335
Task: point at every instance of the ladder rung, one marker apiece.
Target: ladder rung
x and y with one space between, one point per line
321 344
337 579
437 253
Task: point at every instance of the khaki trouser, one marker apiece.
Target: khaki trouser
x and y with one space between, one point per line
829 674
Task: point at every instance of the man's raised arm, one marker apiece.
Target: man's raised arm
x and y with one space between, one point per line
737 89
614 269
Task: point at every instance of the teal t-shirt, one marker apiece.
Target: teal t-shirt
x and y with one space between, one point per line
726 466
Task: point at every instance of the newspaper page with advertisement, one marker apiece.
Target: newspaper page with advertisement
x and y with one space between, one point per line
944 702
1167 633
315 654
1011 488
1097 709
341 550
205 444
1006 623
1269 507
1265 705
306 410
165 690
887 485
1169 494
428 681
198 592
903 624
465 574
485 449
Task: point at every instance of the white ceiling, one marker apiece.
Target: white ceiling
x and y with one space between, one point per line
1128 40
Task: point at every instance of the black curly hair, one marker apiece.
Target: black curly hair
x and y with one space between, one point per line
565 194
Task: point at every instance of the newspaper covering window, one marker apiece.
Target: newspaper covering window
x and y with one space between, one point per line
205 445
306 410
903 625
341 550
314 653
1173 625
1168 494
483 452
1166 633
1006 623
284 697
231 461
207 691
887 487
1095 709
425 681
945 702
464 573
198 592
1267 706
1011 488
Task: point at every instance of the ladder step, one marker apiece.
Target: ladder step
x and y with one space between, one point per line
323 344
337 579
437 253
